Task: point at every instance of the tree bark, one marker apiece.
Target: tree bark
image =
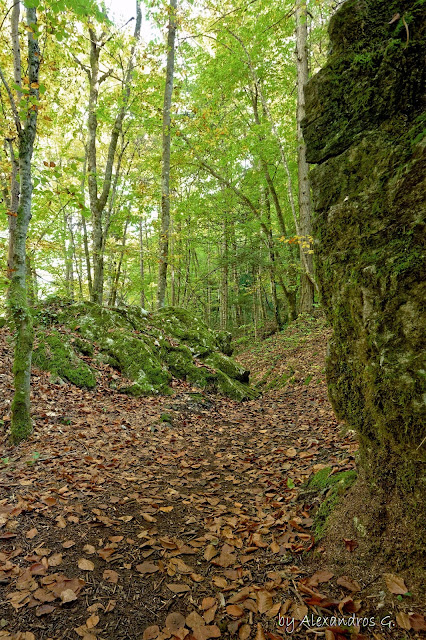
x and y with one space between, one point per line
307 290
224 280
12 204
116 277
165 174
21 425
141 263
304 264
98 202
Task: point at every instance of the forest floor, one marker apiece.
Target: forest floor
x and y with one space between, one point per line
184 516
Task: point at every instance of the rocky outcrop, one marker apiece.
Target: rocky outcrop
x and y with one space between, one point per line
147 348
364 130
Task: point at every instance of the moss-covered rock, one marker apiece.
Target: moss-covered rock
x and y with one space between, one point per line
53 352
364 129
227 365
147 348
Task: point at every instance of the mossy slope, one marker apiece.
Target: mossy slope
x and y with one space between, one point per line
149 349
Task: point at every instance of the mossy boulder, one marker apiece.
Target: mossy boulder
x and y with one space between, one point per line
147 348
53 351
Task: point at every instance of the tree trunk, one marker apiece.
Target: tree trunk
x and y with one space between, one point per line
165 174
141 263
116 277
307 290
12 204
98 202
21 425
224 297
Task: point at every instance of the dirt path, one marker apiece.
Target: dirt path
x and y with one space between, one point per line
171 517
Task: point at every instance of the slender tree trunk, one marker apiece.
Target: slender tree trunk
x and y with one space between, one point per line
141 263
21 425
224 281
116 278
234 275
307 290
98 201
165 175
172 266
13 203
84 228
272 259
304 263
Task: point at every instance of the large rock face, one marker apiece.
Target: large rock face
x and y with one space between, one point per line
364 130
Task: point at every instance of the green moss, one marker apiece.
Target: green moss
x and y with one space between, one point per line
228 366
233 388
319 480
84 346
147 348
182 325
2 322
337 485
53 352
137 360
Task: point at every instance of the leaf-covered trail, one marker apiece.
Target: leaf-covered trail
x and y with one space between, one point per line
169 517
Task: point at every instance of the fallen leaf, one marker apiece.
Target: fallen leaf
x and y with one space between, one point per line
417 621
89 548
219 582
299 611
85 565
319 576
350 545
347 583
147 567
403 620
92 621
244 632
110 575
259 633
55 560
68 595
110 606
151 633
207 603
234 610
178 588
395 584
68 544
264 601
210 552
44 609
210 614
174 622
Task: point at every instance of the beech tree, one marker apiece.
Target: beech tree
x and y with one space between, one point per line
165 173
24 113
